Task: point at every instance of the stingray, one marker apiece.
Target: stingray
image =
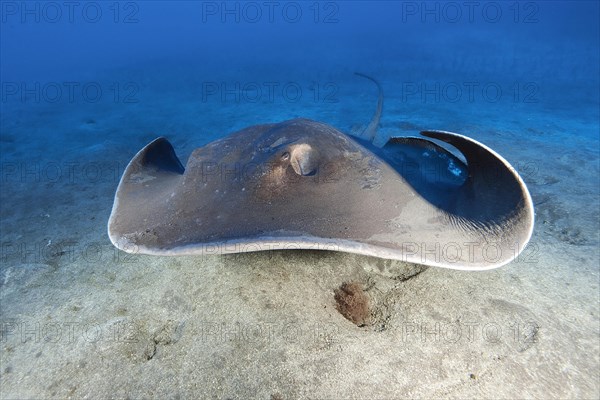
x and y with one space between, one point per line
441 199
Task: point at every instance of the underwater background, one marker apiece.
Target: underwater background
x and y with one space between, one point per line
85 85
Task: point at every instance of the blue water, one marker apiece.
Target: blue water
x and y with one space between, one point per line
85 85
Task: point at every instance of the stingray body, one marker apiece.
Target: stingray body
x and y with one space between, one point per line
302 184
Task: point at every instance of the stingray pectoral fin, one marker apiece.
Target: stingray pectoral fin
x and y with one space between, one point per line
420 143
160 155
144 192
436 165
493 201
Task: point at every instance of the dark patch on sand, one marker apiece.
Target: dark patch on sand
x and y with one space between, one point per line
353 303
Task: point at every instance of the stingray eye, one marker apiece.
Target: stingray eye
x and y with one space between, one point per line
304 159
285 156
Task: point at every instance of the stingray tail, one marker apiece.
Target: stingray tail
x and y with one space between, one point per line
370 132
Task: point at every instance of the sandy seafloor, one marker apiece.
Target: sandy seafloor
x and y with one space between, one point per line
80 319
